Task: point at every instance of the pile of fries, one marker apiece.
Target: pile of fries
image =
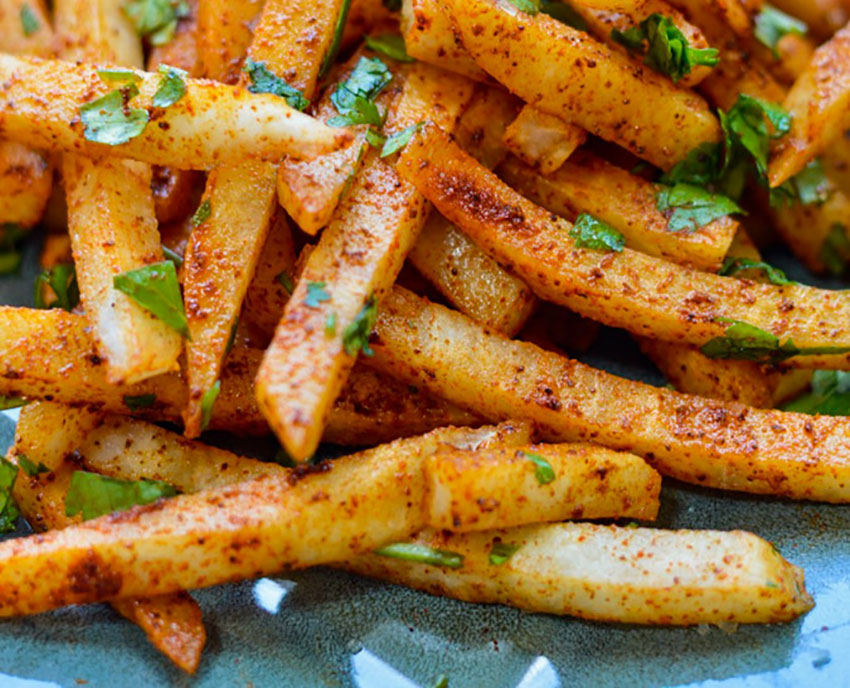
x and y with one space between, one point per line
388 224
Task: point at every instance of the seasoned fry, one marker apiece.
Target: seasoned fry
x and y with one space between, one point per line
644 295
50 355
224 34
817 103
702 441
295 519
356 261
541 140
26 180
211 123
34 39
606 573
96 31
47 434
589 184
584 82
502 488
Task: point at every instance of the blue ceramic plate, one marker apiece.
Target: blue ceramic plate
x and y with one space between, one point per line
325 628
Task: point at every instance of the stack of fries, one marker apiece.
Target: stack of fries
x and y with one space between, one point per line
247 206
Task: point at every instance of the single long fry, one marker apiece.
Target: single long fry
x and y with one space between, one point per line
212 123
48 434
541 140
817 104
224 34
583 81
702 441
589 184
357 259
51 355
291 39
502 488
606 573
294 519
639 293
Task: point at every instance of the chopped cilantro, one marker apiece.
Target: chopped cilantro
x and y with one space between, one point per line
7 403
543 470
811 186
110 120
589 232
422 554
264 81
732 266
202 214
532 7
354 97
32 470
356 335
156 20
156 289
8 508
336 40
688 207
173 256
399 140
142 401
29 22
207 403
829 395
330 325
316 294
500 552
93 495
772 25
172 86
390 45
285 280
11 236
62 281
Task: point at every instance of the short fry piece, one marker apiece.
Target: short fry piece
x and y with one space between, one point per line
818 103
502 488
26 180
605 573
212 123
541 140
224 34
702 441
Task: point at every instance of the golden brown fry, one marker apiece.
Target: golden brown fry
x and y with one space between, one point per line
503 488
627 202
357 259
26 180
293 519
606 573
96 31
639 293
541 140
212 123
50 355
48 434
583 81
717 444
224 34
817 103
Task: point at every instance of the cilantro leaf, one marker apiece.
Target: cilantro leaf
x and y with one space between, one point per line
264 81
811 186
29 468
748 121
330 325
356 335
421 554
375 138
665 47
29 22
62 281
835 252
829 395
390 45
10 256
110 120
442 681
156 289
746 342
207 403
173 256
772 25
688 207
93 495
700 167
172 86
500 552
589 232
202 214
285 280
316 294
732 266
7 403
336 40
531 7
156 20
142 401
8 508
353 97
399 140
543 470
119 76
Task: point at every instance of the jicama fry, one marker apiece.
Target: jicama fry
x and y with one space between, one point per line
357 259
224 34
584 82
296 519
25 28
605 573
502 488
817 103
210 124
96 32
627 202
644 295
183 50
541 140
26 180
717 444
173 622
50 355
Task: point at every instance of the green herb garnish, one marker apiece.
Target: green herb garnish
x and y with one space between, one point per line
390 45
400 139
32 470
316 294
835 252
156 289
62 281
11 236
829 395
689 207
336 40
93 495
156 20
590 232
356 335
173 256
354 97
29 22
172 86
732 266
142 401
500 552
8 508
285 280
543 470
422 554
7 403
772 25
264 81
202 214
531 7
110 120
207 403
330 325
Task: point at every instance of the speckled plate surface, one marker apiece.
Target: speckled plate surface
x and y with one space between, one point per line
326 628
